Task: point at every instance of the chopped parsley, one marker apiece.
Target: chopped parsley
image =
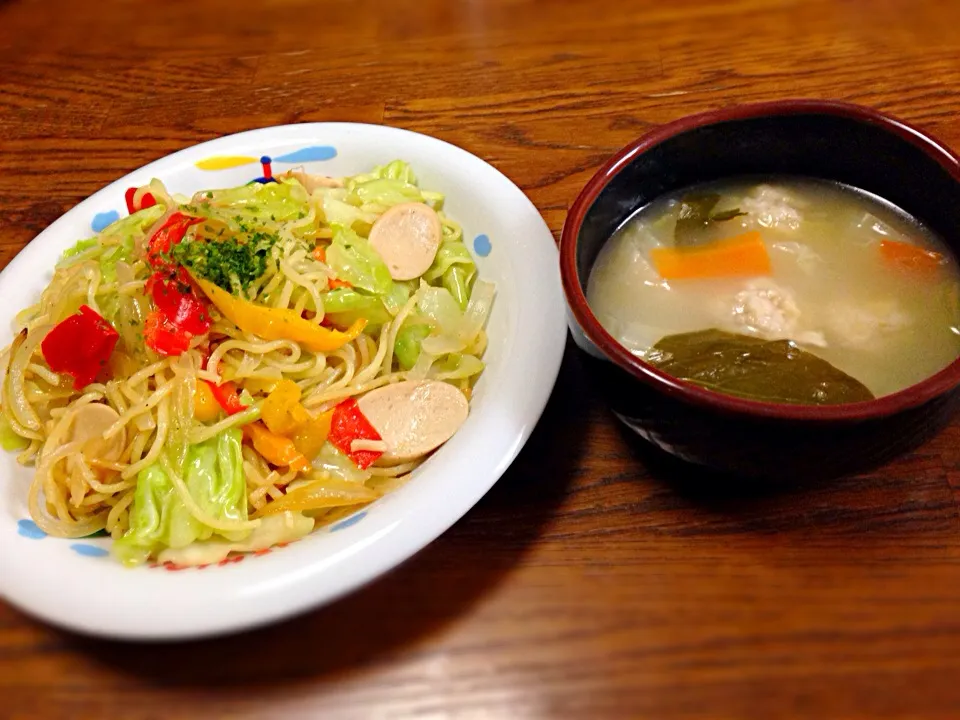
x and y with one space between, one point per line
238 259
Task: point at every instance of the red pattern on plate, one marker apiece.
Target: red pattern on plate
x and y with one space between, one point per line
229 560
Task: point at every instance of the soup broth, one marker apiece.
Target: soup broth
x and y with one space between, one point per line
838 273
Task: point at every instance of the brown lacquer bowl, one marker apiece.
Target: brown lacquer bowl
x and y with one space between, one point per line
828 140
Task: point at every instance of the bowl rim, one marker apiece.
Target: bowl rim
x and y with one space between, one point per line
911 397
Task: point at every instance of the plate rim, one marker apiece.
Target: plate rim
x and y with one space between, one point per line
406 539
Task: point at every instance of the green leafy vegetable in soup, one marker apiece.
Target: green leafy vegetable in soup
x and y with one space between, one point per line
755 369
696 213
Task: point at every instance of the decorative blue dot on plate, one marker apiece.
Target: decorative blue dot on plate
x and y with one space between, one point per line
102 220
308 154
29 529
352 520
481 245
89 550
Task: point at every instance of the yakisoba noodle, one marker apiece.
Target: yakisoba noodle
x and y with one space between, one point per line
140 452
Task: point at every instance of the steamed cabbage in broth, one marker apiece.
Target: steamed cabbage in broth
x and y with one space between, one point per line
790 290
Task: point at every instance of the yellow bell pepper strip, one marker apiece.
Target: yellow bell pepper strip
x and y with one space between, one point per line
328 493
310 437
276 449
205 405
278 323
282 412
260 386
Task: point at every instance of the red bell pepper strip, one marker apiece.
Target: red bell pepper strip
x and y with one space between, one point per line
146 201
228 397
163 337
169 234
349 424
175 297
180 313
80 346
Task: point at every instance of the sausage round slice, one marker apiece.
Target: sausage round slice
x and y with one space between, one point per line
414 417
407 237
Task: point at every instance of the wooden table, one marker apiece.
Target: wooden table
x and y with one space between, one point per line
596 579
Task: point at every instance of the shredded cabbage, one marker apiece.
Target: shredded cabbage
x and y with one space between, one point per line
407 346
353 259
114 243
336 211
9 440
158 518
399 295
386 193
132 226
122 252
453 265
395 170
453 330
263 202
339 466
79 247
456 366
273 530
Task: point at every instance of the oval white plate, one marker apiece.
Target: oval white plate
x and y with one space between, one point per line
74 584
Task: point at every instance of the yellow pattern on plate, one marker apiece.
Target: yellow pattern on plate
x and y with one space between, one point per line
223 162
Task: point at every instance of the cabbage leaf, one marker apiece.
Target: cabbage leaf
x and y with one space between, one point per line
256 202
159 519
353 259
454 330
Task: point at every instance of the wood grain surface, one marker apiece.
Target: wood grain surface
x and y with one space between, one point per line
597 579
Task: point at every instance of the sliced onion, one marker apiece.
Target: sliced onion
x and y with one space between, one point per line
5 363
124 273
141 246
422 368
324 493
466 368
475 317
470 325
16 394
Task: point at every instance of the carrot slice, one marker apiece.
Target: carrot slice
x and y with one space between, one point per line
741 255
910 257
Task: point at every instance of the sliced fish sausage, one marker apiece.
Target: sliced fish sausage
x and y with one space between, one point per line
414 417
407 237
